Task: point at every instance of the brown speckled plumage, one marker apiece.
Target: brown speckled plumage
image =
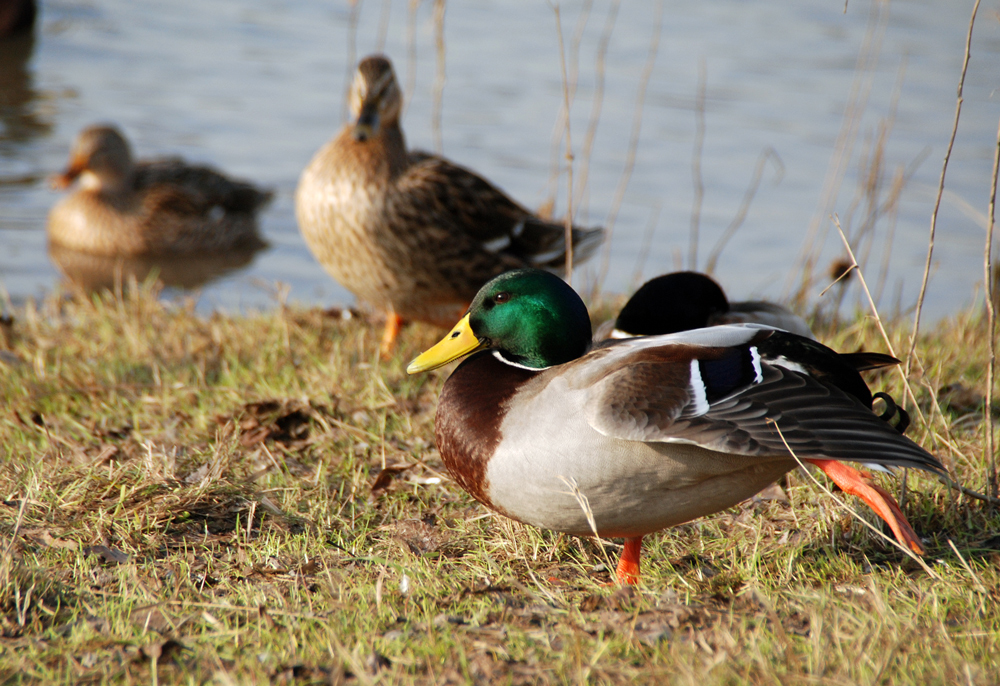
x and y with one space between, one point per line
158 207
408 232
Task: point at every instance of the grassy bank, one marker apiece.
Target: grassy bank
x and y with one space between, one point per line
204 500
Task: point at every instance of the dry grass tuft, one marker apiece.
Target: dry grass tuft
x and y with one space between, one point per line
191 499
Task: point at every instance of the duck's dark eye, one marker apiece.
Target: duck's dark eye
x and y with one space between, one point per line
501 297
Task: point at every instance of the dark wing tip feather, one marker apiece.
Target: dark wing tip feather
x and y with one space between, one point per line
786 410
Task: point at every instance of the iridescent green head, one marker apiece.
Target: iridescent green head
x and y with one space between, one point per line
530 316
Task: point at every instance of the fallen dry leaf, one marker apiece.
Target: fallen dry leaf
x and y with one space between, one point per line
385 477
47 539
107 555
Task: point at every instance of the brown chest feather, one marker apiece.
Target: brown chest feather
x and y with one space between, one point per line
473 404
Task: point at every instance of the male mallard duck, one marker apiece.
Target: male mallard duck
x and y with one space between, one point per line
644 433
156 207
682 301
409 232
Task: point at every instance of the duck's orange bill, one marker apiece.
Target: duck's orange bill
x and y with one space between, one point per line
860 484
459 341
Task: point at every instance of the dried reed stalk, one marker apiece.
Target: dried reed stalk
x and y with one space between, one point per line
352 53
383 25
598 102
411 50
766 154
940 192
555 165
439 75
699 144
633 144
569 151
990 290
857 101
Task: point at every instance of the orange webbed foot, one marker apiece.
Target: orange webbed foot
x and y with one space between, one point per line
859 483
628 565
393 325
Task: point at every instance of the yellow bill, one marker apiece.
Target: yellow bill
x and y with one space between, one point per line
459 341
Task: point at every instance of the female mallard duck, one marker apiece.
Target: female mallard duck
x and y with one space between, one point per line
682 301
157 207
644 433
409 232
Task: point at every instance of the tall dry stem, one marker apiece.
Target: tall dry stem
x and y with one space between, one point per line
411 50
647 243
857 102
946 439
352 53
766 154
569 151
990 290
633 144
598 102
699 182
383 25
572 82
439 75
940 192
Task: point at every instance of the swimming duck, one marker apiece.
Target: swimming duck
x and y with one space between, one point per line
681 301
155 207
411 233
641 434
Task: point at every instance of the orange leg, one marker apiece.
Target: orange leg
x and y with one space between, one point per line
859 483
393 324
628 566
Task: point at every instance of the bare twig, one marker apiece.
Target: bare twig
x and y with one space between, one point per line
699 183
572 82
411 50
633 144
574 47
898 182
935 405
439 76
876 207
991 322
383 25
352 51
647 242
766 154
857 101
940 192
569 152
843 275
598 102
878 318
971 493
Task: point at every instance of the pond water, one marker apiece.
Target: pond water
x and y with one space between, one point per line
254 87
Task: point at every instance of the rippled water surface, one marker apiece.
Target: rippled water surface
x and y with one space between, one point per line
256 86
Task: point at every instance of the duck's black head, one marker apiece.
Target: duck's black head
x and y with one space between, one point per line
680 301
